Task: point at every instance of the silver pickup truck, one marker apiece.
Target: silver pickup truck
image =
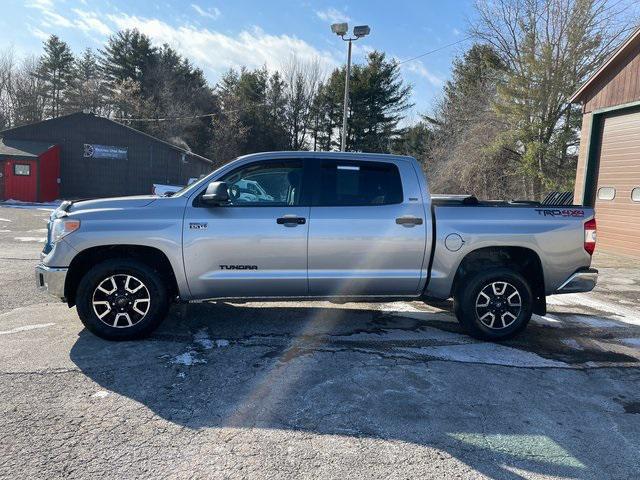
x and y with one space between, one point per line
307 225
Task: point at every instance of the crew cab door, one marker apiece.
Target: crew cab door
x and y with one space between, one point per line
256 245
368 231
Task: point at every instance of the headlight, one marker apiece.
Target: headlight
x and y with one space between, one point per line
62 227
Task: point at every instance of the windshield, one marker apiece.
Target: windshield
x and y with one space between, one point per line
194 185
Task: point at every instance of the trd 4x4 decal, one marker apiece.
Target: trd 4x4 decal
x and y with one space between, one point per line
552 212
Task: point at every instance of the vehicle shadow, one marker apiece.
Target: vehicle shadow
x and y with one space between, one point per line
360 373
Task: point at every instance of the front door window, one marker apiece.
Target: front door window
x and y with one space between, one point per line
269 184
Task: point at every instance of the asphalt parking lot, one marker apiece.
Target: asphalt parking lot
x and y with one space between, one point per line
316 389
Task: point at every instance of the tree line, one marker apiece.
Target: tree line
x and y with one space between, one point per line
156 90
501 128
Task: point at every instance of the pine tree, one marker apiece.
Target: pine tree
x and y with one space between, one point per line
87 89
377 99
56 70
127 59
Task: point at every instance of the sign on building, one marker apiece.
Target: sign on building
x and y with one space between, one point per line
105 151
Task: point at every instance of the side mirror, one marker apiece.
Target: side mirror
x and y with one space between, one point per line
217 193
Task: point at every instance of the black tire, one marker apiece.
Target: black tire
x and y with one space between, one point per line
127 275
477 319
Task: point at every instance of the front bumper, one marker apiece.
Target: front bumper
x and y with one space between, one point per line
51 280
583 280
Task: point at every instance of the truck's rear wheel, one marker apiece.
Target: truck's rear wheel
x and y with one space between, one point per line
494 304
122 299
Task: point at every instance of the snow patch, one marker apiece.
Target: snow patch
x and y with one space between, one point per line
31 239
400 307
20 203
187 358
619 312
4 220
634 342
26 328
572 343
5 231
486 353
548 320
595 322
202 338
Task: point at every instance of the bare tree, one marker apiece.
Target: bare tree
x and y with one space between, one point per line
302 82
549 47
7 74
28 93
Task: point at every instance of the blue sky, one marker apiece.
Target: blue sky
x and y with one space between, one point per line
217 35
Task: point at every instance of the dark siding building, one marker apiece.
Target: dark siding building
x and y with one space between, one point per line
100 157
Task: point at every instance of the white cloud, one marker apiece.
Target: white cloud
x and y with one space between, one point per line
40 4
213 13
456 32
216 52
418 68
332 15
36 32
89 22
49 14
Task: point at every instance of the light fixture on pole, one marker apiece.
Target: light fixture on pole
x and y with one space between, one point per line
341 30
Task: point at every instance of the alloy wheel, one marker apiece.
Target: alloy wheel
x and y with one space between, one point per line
498 305
121 301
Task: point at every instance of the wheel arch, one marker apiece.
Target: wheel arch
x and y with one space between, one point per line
151 256
521 259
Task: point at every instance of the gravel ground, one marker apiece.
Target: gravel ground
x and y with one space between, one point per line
316 390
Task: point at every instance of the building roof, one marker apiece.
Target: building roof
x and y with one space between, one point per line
631 41
171 145
23 148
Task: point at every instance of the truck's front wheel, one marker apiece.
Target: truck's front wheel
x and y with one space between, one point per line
493 304
122 299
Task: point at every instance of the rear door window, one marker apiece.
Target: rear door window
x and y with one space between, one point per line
352 183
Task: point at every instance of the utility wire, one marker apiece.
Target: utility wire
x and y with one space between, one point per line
434 51
164 119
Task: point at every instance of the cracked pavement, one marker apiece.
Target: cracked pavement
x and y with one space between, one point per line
313 389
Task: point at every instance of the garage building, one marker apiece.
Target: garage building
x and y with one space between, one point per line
85 156
608 173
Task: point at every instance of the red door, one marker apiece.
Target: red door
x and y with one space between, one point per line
21 180
49 174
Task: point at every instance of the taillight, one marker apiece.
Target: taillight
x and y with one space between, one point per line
590 236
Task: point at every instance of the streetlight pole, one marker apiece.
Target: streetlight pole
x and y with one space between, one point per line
343 143
360 31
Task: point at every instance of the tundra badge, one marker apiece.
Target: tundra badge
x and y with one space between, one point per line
197 226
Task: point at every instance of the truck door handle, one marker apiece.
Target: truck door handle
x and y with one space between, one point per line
408 220
291 221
